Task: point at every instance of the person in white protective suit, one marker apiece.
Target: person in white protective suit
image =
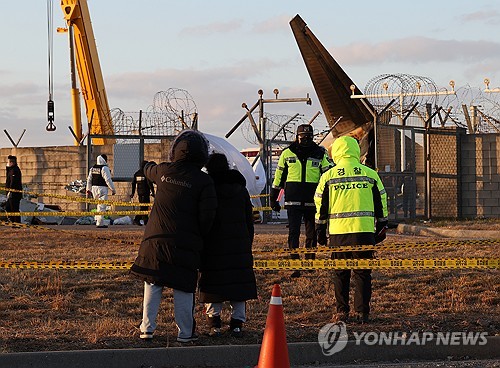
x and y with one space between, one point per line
98 182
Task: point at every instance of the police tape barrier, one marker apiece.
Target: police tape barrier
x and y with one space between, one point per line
77 199
288 264
93 235
67 265
381 246
381 263
259 195
70 213
261 209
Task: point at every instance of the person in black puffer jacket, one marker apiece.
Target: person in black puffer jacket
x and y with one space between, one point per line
13 181
181 218
227 262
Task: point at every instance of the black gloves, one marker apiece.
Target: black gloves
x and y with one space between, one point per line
380 231
321 234
276 206
273 197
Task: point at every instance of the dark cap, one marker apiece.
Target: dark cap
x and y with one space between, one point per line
12 158
105 157
304 129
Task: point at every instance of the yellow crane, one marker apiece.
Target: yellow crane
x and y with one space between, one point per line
83 52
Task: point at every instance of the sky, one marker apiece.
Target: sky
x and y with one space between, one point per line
222 52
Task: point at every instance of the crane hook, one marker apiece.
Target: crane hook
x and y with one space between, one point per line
50 116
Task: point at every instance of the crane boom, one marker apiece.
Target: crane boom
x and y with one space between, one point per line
77 16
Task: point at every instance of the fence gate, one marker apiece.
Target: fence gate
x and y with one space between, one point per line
401 164
420 170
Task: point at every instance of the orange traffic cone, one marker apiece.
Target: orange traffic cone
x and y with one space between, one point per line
274 350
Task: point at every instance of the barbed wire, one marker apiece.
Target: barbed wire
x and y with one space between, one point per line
406 86
174 109
282 127
171 111
407 89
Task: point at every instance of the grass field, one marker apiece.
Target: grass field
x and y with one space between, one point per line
46 310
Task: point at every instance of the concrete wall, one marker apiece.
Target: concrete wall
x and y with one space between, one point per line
480 175
50 169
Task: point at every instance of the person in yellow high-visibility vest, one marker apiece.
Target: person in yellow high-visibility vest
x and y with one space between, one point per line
351 203
299 168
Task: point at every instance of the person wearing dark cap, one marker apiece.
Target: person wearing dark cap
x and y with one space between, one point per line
145 189
181 218
13 181
299 169
227 262
98 182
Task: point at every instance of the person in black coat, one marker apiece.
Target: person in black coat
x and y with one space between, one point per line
227 261
181 218
13 181
145 189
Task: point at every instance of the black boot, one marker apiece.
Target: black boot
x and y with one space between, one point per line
235 326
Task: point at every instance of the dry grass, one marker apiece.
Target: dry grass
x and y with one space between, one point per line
45 310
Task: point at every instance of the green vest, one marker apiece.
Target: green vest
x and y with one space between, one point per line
350 196
300 177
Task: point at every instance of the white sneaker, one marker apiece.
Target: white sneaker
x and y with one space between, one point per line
146 335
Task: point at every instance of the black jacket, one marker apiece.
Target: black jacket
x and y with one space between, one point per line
300 193
227 262
180 219
14 180
144 186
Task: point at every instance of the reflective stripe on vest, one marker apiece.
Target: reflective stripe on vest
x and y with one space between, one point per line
352 214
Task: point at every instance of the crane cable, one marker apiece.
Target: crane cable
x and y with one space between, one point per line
50 36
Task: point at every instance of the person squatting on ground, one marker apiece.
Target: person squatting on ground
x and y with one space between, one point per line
227 262
299 168
180 219
145 189
13 181
349 198
98 182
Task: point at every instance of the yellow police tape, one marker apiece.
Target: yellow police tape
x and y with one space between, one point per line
71 213
261 209
77 198
78 213
288 264
381 263
259 195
